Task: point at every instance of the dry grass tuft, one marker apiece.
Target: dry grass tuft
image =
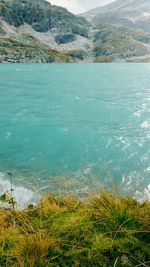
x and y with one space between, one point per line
104 230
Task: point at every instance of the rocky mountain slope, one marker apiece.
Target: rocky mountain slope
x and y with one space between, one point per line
42 16
36 31
31 29
119 44
129 13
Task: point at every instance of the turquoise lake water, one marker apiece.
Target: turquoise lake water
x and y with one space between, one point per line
75 120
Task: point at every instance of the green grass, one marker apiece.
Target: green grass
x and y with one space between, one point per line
75 54
104 230
22 51
112 43
59 57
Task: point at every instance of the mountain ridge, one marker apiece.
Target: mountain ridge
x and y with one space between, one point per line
49 25
130 14
36 31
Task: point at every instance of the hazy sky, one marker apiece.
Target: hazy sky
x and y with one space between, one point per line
79 6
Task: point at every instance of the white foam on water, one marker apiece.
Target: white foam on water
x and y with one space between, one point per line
130 184
137 113
22 195
143 196
145 125
8 135
148 169
21 112
21 69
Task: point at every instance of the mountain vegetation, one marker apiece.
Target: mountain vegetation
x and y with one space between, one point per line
36 31
119 44
42 17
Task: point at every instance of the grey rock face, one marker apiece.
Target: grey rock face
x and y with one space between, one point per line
36 31
129 13
120 44
39 16
65 38
42 16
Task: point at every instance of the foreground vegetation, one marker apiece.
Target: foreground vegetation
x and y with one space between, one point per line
105 230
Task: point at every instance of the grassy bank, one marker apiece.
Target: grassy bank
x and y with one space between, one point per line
106 230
